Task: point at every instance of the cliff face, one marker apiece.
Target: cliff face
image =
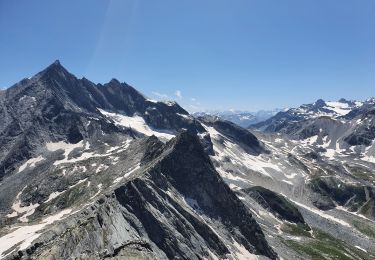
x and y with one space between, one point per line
176 207
54 106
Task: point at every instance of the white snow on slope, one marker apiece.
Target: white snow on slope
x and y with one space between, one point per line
26 211
68 148
368 154
126 175
100 185
331 153
240 157
137 123
101 167
367 158
338 107
27 97
230 176
320 213
353 213
241 253
310 140
184 116
30 163
54 195
360 248
27 234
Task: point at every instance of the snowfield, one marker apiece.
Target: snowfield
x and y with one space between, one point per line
30 163
137 123
25 235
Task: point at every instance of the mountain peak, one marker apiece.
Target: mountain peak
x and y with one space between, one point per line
320 103
189 141
55 69
343 100
114 81
56 62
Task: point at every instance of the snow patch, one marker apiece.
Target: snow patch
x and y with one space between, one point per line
98 192
289 182
241 253
126 175
101 167
66 147
320 213
31 163
137 123
338 107
360 248
54 195
27 97
27 234
240 157
17 209
184 116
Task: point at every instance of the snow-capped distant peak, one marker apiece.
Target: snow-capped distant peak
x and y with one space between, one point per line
320 108
338 107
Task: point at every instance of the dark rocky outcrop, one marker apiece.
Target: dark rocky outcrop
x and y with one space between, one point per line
277 204
240 135
334 192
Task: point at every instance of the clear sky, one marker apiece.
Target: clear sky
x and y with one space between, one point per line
206 54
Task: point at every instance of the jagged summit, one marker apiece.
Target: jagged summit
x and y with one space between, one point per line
56 105
114 81
320 103
57 62
55 69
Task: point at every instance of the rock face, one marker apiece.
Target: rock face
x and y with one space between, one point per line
277 204
335 192
179 208
56 106
92 171
238 134
363 133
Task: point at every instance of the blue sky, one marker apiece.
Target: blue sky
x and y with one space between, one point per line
211 54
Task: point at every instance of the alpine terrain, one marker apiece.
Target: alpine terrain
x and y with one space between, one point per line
92 171
241 118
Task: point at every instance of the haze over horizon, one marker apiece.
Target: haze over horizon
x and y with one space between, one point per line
247 55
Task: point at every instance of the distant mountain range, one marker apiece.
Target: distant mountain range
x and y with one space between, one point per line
241 118
348 122
98 171
332 109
